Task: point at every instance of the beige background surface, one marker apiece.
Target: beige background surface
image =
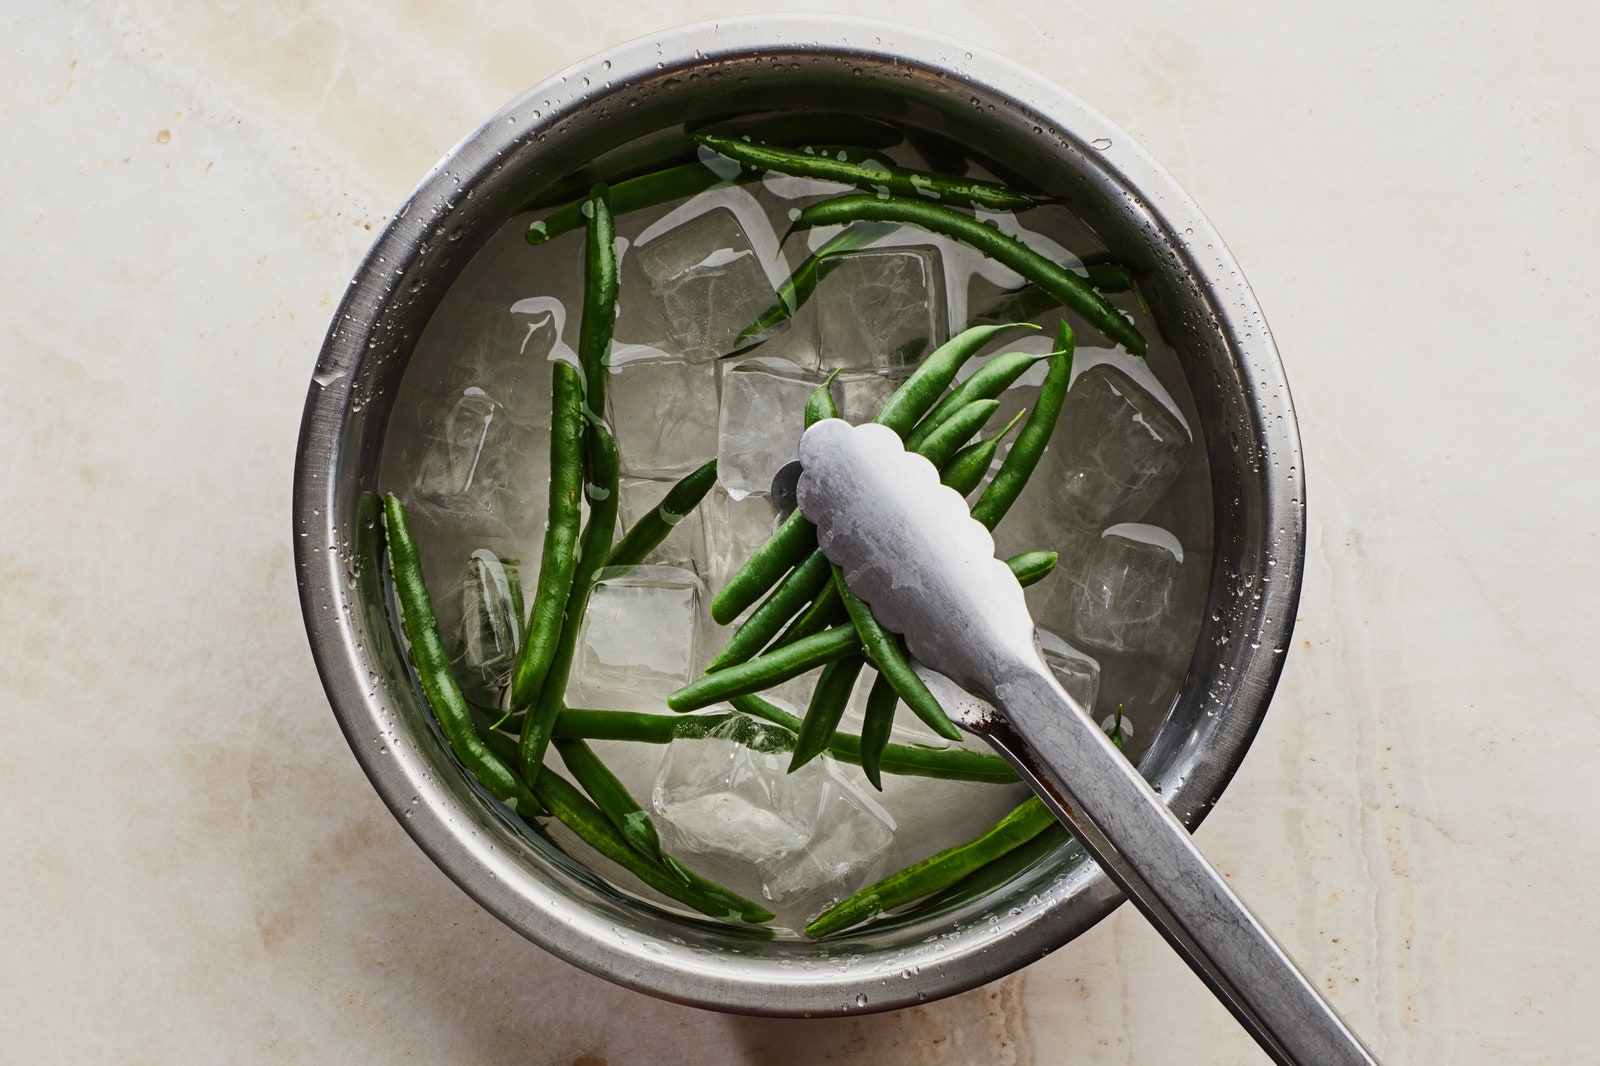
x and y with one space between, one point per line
196 869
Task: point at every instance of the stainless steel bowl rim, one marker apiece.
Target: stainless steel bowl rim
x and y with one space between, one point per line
542 903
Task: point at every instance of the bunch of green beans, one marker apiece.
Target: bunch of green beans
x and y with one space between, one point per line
803 617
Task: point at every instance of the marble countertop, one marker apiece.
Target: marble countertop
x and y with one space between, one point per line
197 869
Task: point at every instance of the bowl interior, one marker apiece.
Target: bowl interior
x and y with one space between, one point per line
1037 135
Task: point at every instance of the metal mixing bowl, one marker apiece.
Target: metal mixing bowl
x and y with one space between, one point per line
1196 296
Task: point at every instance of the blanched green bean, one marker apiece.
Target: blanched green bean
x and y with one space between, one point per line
1073 291
1032 440
939 871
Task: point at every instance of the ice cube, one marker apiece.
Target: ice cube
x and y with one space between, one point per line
761 420
808 838
849 849
640 638
1078 672
707 281
859 396
733 530
491 620
475 459
1125 594
663 413
721 794
683 546
879 309
1117 447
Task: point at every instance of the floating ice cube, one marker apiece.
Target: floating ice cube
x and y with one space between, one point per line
809 838
1117 447
1078 673
707 280
733 530
880 309
849 849
663 413
475 459
683 546
761 420
640 638
860 395
1127 591
491 620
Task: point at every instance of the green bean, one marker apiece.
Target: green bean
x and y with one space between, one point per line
876 723
793 540
613 799
631 194
1031 441
967 467
789 660
439 686
577 813
560 537
599 302
1032 567
655 527
820 405
784 602
942 444
637 726
828 701
1073 291
884 650
989 381
809 127
601 487
878 178
798 286
950 764
825 609
1029 567
925 385
930 875
809 581
768 670
1022 304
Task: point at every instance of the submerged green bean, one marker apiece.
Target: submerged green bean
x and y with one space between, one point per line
656 526
560 554
938 871
439 686
613 799
600 282
633 194
601 486
580 815
1073 291
871 175
798 286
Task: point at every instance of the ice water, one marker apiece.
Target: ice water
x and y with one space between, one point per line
1123 494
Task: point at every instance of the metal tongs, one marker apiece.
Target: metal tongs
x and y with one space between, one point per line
908 547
